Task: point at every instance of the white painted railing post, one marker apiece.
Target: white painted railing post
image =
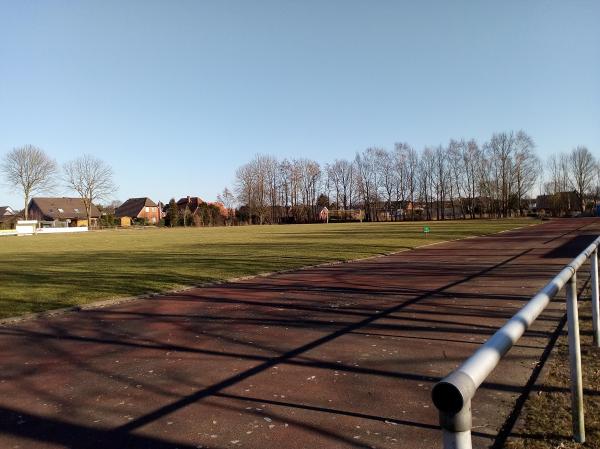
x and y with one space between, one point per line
456 440
575 361
456 424
595 297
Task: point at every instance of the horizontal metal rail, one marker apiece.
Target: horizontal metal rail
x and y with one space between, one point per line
452 395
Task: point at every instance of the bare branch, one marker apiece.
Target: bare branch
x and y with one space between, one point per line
91 178
30 170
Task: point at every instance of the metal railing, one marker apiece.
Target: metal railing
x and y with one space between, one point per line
452 395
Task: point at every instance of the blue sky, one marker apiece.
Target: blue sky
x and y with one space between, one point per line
175 95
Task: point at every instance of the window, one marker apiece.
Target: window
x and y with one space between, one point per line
147 209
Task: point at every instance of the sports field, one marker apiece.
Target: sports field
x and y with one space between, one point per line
52 271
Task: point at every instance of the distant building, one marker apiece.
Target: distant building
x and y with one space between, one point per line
6 211
138 209
560 203
8 217
192 203
345 215
62 212
202 213
162 209
324 214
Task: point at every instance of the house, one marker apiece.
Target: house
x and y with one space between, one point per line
201 213
8 217
415 209
6 211
162 209
63 211
142 209
192 203
560 203
345 215
324 214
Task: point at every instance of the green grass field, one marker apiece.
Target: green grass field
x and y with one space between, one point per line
44 272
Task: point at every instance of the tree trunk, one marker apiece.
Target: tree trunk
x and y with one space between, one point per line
26 212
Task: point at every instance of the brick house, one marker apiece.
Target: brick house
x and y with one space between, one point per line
138 209
201 212
192 203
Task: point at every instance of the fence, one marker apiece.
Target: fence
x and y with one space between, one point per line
452 395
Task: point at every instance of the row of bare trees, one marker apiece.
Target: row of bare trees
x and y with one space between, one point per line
29 170
578 171
272 191
463 179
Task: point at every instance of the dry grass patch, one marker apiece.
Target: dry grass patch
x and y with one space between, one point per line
547 413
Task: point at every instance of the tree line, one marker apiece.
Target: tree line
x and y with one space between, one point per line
31 171
463 179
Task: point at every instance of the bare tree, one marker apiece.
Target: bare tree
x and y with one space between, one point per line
310 179
367 175
341 179
291 180
252 187
228 200
583 167
400 160
347 178
501 148
388 178
526 167
471 156
457 173
30 170
334 181
272 176
285 194
485 184
557 185
457 180
91 178
596 185
440 180
426 179
558 171
407 162
412 181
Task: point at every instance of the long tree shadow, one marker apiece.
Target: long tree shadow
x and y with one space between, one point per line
215 388
572 247
35 428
